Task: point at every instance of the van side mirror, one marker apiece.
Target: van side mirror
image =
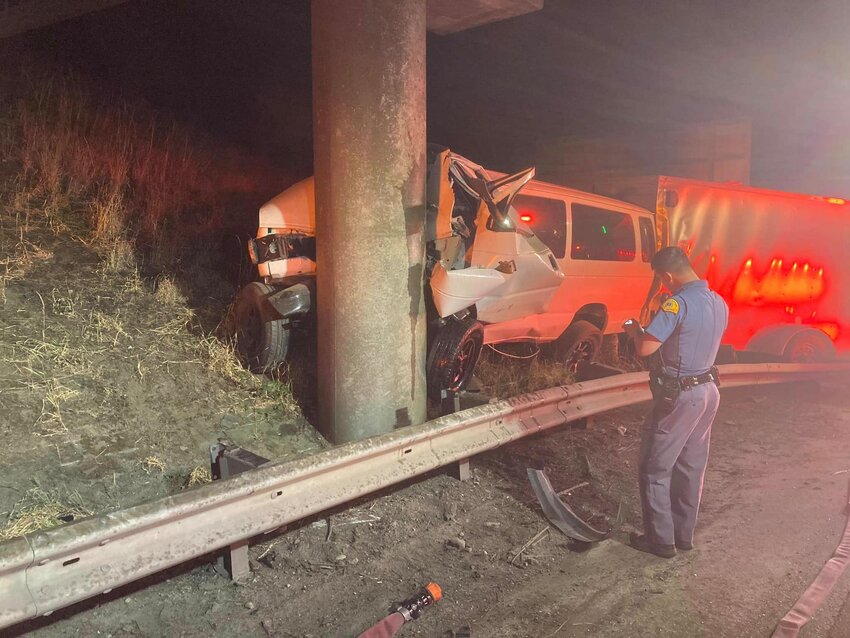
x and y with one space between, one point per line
671 199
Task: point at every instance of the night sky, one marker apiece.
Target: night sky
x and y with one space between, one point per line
240 71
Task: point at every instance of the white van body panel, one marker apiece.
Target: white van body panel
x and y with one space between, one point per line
518 286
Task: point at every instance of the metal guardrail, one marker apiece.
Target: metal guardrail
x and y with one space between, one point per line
51 569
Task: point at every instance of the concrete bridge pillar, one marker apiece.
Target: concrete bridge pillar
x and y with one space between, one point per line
369 154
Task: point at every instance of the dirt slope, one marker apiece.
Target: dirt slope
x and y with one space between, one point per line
112 386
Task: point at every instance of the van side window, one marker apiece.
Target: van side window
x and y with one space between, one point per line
602 235
547 218
647 239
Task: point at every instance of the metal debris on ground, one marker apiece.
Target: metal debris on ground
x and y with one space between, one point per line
559 513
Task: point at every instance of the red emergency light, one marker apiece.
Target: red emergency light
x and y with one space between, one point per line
525 217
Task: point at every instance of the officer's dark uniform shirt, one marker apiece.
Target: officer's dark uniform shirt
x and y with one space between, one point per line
690 325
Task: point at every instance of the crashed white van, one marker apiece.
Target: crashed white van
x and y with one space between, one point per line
548 265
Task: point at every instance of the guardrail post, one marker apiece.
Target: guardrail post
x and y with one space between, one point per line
226 461
460 470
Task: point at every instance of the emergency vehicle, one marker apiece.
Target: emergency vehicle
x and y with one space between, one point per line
778 259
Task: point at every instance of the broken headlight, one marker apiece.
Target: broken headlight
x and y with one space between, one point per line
270 247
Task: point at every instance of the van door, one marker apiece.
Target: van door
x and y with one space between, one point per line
606 262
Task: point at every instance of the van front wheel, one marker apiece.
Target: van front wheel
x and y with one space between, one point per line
453 356
262 337
582 341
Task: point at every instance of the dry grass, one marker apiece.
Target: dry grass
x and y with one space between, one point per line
51 421
41 510
167 292
105 328
198 476
134 177
220 357
15 265
503 376
82 166
119 257
152 463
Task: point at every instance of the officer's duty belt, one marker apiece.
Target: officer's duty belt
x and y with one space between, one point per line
686 383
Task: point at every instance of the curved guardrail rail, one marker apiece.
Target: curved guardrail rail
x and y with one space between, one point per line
51 569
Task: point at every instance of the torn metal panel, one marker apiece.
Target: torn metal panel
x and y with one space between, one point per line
558 512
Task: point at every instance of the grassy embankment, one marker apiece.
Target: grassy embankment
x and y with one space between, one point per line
111 220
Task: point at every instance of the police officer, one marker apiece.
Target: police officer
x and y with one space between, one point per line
684 384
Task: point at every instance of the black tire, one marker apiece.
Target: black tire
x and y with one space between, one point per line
262 337
810 346
453 356
582 341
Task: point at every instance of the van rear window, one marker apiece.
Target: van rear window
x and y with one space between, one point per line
602 235
547 218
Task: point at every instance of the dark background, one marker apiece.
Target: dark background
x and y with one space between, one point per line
240 71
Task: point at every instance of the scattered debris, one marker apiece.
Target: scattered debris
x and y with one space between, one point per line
558 512
269 559
574 487
622 429
531 543
457 543
370 518
153 463
450 512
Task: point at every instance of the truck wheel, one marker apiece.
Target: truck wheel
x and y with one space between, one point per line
453 356
582 341
262 338
810 346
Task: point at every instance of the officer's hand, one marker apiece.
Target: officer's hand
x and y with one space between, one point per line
631 327
645 314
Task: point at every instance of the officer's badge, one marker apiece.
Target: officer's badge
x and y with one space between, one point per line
671 306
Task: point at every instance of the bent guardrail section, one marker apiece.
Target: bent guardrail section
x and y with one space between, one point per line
51 569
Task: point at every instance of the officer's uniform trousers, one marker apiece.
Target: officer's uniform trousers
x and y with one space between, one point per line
674 453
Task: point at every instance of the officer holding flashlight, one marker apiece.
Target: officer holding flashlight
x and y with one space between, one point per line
686 333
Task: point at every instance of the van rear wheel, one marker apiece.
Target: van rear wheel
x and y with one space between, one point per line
582 341
453 356
262 337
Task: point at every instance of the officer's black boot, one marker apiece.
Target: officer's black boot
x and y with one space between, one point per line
643 544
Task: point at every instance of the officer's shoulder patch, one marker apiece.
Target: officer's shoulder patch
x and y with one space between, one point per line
671 306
